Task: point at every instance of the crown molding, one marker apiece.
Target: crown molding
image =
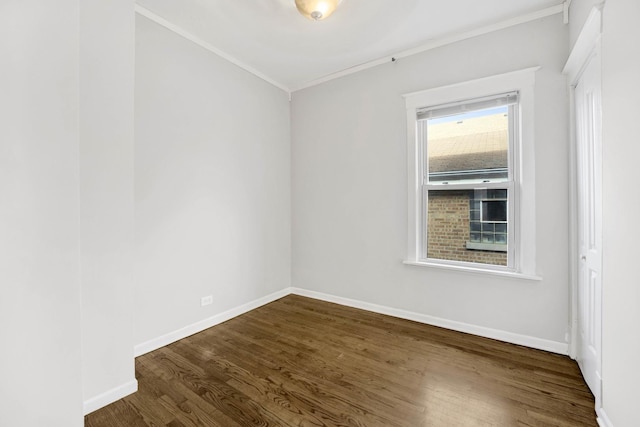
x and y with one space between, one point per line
432 44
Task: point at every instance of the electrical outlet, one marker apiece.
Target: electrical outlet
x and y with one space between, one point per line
206 300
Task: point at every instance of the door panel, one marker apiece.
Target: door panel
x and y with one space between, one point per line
589 182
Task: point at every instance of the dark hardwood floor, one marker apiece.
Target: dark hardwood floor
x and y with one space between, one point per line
303 362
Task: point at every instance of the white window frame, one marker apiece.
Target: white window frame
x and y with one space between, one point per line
522 230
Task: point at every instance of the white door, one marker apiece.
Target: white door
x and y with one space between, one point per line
589 182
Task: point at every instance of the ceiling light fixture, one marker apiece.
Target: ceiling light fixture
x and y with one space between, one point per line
316 9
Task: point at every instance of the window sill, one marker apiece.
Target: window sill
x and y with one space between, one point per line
493 247
474 270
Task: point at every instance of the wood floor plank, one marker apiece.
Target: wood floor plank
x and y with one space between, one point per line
333 382
119 414
307 387
304 362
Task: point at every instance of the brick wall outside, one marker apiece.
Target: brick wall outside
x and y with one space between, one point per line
448 229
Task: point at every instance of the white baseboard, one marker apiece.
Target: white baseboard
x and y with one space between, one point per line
200 326
119 392
497 334
603 419
510 337
109 397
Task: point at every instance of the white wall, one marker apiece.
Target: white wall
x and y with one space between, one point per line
106 197
212 184
621 151
40 374
350 186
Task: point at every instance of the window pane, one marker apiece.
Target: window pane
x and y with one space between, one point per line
494 210
452 235
487 238
469 147
501 228
497 194
488 227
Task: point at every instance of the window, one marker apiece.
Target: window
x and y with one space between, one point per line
468 177
488 220
468 196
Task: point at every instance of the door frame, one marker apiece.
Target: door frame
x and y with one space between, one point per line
587 46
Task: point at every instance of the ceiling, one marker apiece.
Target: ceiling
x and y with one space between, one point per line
272 38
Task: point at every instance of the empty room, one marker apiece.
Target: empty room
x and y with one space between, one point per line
319 213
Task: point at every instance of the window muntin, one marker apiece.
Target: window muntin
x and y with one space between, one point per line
488 220
467 149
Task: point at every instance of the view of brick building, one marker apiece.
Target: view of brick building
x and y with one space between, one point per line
468 225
